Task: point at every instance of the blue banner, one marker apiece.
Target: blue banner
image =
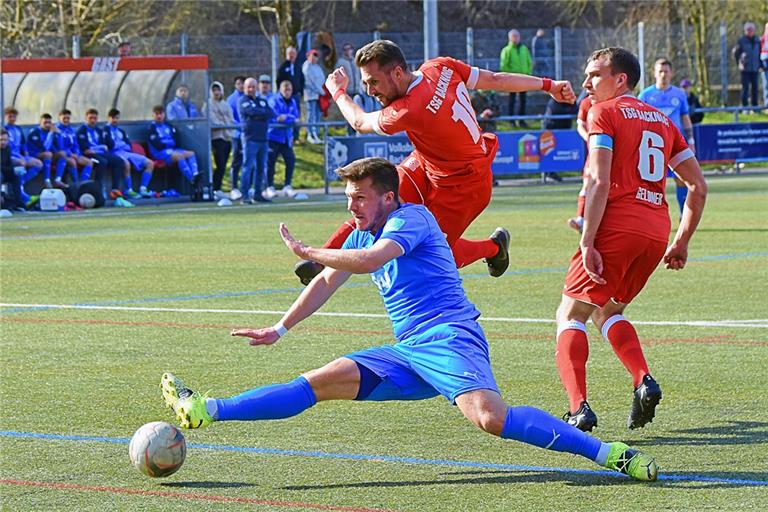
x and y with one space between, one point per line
519 152
539 151
730 142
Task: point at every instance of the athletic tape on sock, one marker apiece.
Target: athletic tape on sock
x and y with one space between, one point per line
609 323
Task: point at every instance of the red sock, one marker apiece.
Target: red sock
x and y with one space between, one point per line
580 204
623 338
469 251
340 236
571 355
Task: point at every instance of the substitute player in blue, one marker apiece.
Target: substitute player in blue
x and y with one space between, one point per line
440 349
19 155
120 145
163 146
673 102
41 142
68 155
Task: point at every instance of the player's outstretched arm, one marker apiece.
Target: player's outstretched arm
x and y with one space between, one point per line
355 261
560 90
322 287
359 119
689 171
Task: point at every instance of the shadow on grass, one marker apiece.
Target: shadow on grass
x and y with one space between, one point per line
207 484
732 433
483 478
732 230
672 480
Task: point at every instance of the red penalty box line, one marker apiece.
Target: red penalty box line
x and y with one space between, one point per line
187 496
105 64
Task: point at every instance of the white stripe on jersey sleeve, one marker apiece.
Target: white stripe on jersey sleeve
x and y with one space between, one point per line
474 74
681 157
377 124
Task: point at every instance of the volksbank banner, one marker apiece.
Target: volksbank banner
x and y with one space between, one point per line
742 141
519 152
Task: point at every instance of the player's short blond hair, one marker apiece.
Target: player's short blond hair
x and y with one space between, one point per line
382 172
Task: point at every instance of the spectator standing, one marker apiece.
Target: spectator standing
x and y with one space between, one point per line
163 145
181 107
693 102
516 58
120 145
237 145
556 108
220 113
264 88
291 70
747 55
124 49
90 138
68 151
41 143
314 79
347 61
255 114
543 54
281 138
764 62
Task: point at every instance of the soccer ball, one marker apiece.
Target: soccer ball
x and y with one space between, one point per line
87 200
158 449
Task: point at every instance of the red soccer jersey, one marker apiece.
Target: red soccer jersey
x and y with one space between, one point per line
437 115
644 143
584 107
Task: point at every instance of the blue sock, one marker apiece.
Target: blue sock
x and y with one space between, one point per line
31 173
146 177
47 169
682 193
128 183
536 427
87 170
61 165
268 402
73 173
192 161
184 168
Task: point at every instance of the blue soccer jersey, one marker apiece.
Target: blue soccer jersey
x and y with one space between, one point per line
672 101
421 288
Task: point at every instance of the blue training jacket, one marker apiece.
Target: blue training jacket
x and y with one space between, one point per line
39 141
162 136
16 140
281 106
255 114
177 109
116 138
67 139
91 139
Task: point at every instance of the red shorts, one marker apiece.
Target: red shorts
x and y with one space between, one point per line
628 262
455 205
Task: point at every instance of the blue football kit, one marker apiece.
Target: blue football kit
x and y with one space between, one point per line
441 348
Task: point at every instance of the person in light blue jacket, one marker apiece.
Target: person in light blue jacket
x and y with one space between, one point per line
181 107
281 138
314 79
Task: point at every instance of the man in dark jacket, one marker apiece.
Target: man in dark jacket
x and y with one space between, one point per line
693 102
747 55
11 196
255 114
291 70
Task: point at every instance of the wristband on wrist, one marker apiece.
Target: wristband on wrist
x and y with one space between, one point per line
546 84
280 329
338 94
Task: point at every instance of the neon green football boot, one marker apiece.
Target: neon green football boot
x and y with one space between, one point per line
188 405
634 463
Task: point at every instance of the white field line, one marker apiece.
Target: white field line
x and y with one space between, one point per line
757 323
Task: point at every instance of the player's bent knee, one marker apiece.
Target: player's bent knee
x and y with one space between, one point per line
484 408
337 380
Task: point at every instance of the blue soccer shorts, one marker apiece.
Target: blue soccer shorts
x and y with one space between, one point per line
448 359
